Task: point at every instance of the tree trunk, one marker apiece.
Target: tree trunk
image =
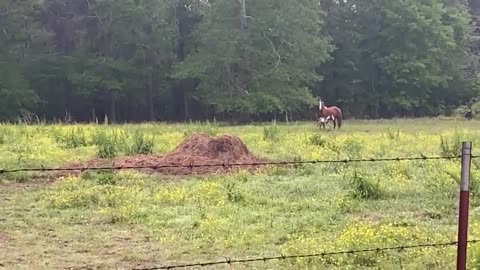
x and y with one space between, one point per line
94 115
243 15
149 62
186 107
179 94
150 103
113 110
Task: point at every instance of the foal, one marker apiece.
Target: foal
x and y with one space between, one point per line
325 120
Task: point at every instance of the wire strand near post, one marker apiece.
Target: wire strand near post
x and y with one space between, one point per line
463 206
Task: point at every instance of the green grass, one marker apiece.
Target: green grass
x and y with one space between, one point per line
128 219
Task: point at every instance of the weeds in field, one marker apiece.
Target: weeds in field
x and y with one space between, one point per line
106 177
140 144
475 179
450 146
352 148
5 135
19 177
108 144
297 209
208 128
318 139
365 188
369 234
394 136
74 138
271 133
233 195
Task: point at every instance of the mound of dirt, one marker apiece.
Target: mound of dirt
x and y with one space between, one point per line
199 149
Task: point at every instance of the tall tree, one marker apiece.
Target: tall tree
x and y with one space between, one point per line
138 60
16 37
258 56
405 55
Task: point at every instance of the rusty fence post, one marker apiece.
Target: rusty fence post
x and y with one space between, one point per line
463 206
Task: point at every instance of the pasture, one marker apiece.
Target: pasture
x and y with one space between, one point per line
107 220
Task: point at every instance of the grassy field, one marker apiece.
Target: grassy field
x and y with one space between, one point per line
104 220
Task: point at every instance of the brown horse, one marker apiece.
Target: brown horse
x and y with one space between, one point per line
335 112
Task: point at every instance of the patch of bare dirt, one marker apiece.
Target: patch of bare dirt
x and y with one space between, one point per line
186 158
4 238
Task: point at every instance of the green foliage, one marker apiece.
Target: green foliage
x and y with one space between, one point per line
475 179
280 208
233 195
17 97
394 136
476 109
415 73
19 177
451 146
363 187
204 59
101 177
206 128
108 144
317 139
271 133
352 148
461 110
140 144
261 68
6 134
74 138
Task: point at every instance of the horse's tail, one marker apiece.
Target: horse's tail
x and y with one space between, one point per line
339 118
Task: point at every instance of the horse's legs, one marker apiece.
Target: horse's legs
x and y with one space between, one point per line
334 123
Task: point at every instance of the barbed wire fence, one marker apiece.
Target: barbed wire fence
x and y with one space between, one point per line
323 254
227 165
462 243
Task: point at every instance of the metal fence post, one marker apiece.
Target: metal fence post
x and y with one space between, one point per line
463 206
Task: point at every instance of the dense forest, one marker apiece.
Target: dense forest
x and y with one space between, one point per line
242 60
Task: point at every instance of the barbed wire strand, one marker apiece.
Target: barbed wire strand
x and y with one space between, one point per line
323 254
226 165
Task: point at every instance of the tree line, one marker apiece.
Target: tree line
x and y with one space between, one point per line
242 60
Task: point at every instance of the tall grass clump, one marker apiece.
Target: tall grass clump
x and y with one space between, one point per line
394 136
105 177
317 139
208 128
271 133
108 145
353 148
11 134
475 183
451 146
140 144
364 188
75 138
4 134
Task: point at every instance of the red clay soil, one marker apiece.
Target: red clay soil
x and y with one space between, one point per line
200 149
